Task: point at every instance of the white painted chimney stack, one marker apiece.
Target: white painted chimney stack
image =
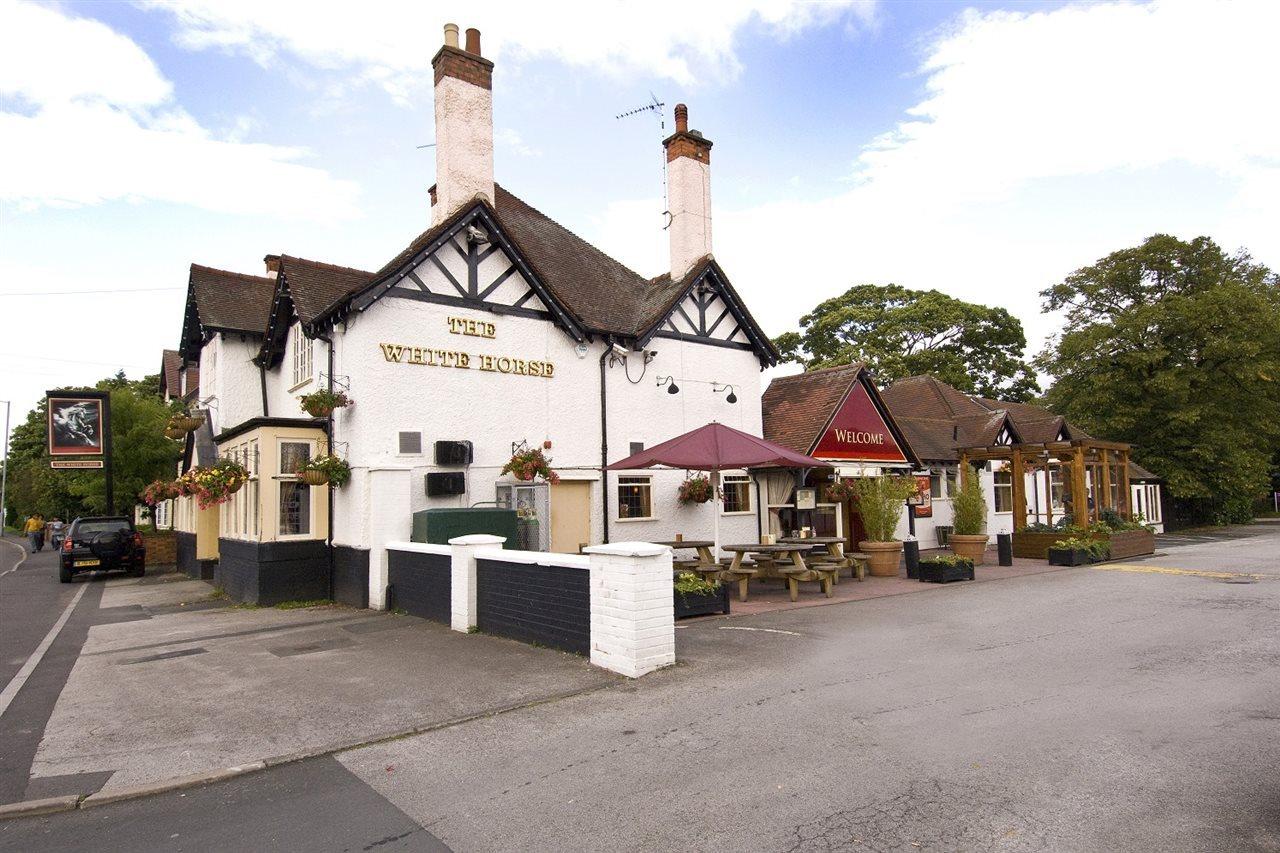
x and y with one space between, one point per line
688 195
464 124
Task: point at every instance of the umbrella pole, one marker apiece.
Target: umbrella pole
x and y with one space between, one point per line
715 508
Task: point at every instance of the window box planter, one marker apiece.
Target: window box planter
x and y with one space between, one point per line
946 570
1131 543
701 604
1069 557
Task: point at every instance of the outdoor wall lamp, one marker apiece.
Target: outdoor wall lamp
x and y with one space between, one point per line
670 382
730 398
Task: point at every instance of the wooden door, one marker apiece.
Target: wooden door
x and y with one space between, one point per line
570 515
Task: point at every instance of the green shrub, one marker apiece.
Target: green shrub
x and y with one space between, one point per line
880 503
969 507
1097 549
691 583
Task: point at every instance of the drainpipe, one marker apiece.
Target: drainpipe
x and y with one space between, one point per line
262 377
328 432
604 442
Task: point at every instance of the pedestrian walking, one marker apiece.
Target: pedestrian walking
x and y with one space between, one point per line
57 528
34 529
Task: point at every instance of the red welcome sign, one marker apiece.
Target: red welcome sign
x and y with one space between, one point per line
857 433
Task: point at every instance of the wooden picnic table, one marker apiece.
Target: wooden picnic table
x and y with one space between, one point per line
835 552
773 554
702 546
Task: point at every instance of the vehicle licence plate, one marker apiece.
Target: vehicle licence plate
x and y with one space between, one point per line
82 563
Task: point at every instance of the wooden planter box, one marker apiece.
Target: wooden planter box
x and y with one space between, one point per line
1126 543
702 604
1069 557
936 571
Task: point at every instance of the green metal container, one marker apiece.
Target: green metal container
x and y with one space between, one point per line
438 526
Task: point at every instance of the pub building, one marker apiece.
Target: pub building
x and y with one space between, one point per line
925 427
495 329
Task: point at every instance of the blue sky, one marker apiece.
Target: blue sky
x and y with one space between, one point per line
983 149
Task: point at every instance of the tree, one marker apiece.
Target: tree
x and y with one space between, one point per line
1175 347
140 454
899 332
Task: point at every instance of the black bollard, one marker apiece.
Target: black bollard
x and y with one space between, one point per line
911 552
1004 545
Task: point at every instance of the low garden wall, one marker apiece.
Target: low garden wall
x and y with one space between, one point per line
1033 545
162 548
614 604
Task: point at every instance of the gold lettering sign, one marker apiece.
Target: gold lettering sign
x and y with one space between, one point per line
433 357
848 436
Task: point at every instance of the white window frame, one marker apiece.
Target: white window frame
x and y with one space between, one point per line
303 366
282 478
997 486
634 480
737 478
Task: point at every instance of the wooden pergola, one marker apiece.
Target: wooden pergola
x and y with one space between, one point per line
1100 464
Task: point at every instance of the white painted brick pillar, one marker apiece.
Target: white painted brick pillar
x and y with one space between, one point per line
633 626
462 585
390 520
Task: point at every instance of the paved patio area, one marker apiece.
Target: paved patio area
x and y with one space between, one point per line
770 596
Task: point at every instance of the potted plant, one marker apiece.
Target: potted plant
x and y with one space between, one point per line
839 491
945 568
215 484
695 490
527 464
969 510
880 503
697 596
327 468
1077 551
174 431
321 404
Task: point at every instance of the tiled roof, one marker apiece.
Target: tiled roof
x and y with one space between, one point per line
796 408
601 293
315 287
1137 472
230 300
171 374
1035 424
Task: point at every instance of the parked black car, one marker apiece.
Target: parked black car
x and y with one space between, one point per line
102 543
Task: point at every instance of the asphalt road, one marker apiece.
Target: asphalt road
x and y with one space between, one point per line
1130 707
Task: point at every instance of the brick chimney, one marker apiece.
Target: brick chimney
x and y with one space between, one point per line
688 194
464 124
273 265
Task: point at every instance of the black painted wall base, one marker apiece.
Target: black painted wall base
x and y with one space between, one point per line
350 576
271 572
187 562
420 584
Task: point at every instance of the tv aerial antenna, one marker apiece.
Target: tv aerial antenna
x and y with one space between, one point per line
654 107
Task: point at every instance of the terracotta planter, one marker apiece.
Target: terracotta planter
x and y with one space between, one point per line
313 478
969 545
882 558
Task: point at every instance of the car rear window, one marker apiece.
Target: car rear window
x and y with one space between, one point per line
86 529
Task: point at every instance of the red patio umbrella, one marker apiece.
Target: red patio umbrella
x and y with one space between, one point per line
716 447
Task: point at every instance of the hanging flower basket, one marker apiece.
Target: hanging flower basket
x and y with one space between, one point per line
839 491
215 484
187 423
322 403
174 432
159 492
695 490
312 477
322 470
527 465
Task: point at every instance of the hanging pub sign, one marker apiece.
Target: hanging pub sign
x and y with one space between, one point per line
77 422
857 432
922 500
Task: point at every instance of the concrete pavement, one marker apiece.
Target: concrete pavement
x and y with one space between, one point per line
1074 710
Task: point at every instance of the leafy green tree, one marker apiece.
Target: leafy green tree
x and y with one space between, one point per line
899 332
140 454
1175 347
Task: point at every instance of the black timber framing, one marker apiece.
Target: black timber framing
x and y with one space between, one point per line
704 288
470 295
459 302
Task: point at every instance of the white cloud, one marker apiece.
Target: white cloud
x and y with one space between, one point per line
510 139
89 118
1043 142
391 43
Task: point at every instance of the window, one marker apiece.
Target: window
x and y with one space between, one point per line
935 483
953 484
737 492
295 497
636 447
301 357
635 497
1153 503
1004 491
1055 488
